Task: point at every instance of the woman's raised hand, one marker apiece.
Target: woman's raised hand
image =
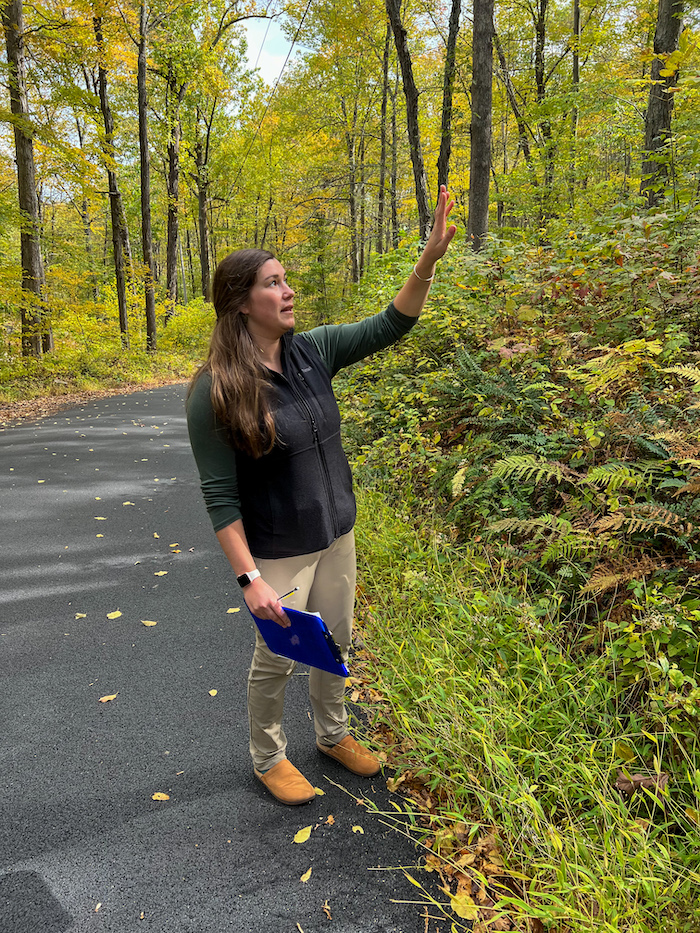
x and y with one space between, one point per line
441 235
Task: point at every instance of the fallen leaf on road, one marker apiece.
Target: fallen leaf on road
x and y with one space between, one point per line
100 518
160 796
114 615
175 545
303 834
148 622
358 829
319 792
108 698
156 535
212 693
232 610
327 910
160 573
81 615
305 877
98 907
331 821
127 503
99 536
299 928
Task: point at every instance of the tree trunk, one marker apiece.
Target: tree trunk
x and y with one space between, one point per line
174 99
657 123
381 200
351 148
394 170
120 232
411 93
575 86
443 165
145 173
482 96
36 335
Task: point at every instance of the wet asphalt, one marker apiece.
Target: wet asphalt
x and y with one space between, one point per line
100 513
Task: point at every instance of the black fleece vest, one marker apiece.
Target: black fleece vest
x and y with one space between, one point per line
298 498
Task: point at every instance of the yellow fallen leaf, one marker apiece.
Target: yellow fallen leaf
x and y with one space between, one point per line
98 907
114 615
156 535
160 573
100 518
108 698
327 909
305 877
319 792
331 820
160 796
81 615
303 834
98 498
175 545
232 610
127 503
99 536
358 829
148 622
464 907
212 693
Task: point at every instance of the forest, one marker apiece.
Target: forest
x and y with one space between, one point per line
527 463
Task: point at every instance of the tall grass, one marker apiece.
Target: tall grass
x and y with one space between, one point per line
516 735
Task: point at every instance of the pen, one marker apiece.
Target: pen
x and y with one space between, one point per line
285 595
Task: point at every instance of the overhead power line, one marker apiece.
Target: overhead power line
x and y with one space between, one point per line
274 89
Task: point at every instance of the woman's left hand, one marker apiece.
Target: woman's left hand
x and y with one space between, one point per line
441 235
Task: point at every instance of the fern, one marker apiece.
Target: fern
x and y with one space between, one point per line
615 476
691 373
530 467
610 576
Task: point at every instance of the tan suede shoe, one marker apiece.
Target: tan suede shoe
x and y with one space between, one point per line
353 756
286 783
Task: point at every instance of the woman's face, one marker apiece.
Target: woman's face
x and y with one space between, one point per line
270 303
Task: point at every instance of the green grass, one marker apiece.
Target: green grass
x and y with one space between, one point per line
512 732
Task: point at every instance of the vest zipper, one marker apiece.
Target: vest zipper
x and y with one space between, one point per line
319 448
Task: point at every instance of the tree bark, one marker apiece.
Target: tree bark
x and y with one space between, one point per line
482 98
657 122
381 199
443 165
394 169
36 334
411 93
174 99
120 232
145 174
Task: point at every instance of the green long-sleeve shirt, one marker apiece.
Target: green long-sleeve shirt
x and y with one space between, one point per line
236 486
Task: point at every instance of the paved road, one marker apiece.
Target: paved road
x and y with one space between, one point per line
100 513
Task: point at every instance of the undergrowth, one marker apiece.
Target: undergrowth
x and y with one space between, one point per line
516 735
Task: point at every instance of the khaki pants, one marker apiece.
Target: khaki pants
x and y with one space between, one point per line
326 581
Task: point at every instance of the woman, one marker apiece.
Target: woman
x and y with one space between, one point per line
265 431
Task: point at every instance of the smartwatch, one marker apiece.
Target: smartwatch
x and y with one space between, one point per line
245 578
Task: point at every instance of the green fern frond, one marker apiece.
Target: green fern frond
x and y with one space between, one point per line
614 476
530 467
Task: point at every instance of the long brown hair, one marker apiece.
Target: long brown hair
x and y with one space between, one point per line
240 383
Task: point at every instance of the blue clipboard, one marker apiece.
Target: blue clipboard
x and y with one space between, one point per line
307 640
